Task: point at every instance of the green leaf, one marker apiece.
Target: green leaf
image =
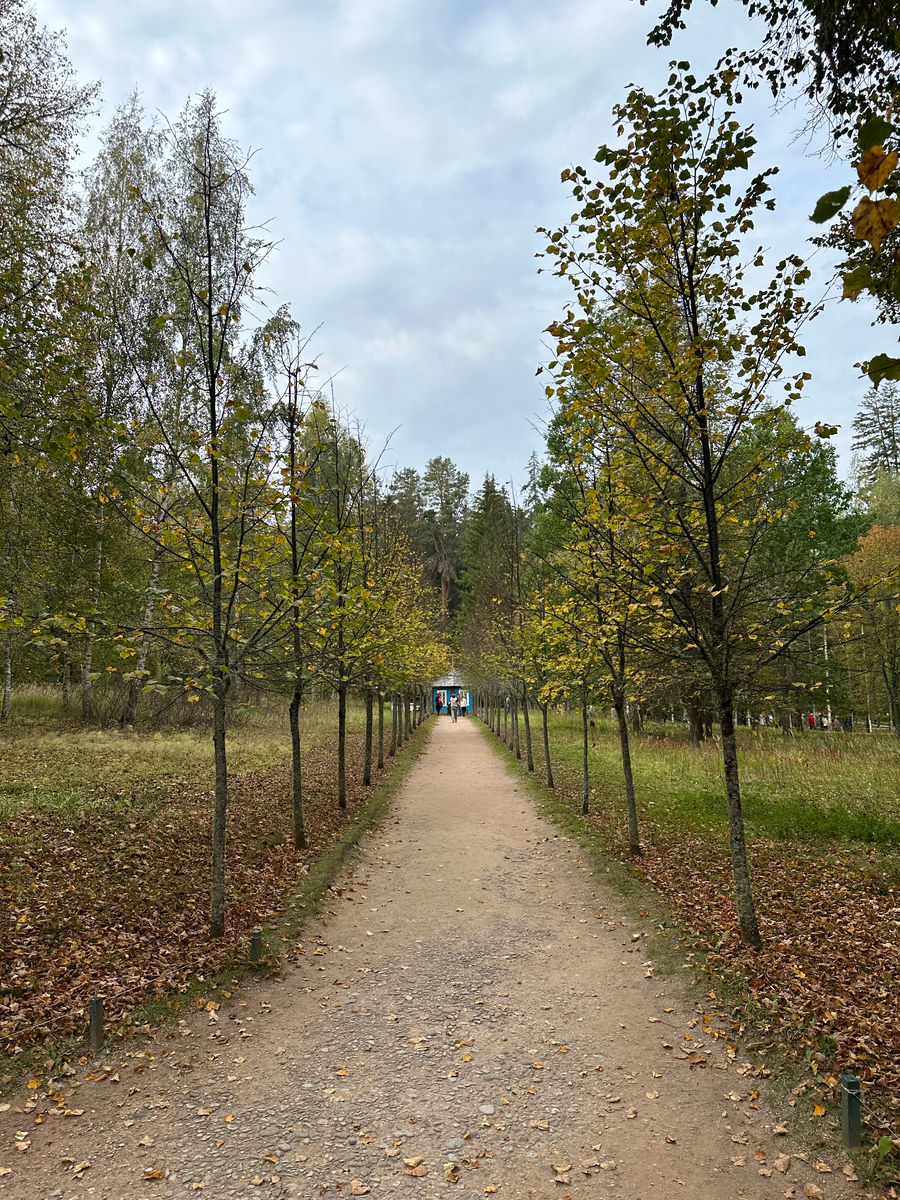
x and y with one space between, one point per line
856 281
882 366
873 133
830 204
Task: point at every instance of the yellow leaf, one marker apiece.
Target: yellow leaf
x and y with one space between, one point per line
873 220
875 167
538 1066
34 1083
819 1110
812 1191
451 1172
358 1188
153 1173
466 1058
229 1117
418 1171
412 1162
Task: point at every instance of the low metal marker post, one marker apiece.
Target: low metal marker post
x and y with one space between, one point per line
96 1022
851 1111
255 945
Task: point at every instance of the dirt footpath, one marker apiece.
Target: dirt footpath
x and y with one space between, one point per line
473 1016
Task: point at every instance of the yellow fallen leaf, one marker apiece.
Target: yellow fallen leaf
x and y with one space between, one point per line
538 1066
782 1162
412 1162
33 1084
739 1160
451 1172
153 1173
813 1192
819 1110
203 1112
358 1188
823 1168
418 1171
74 1112
229 1117
198 1187
146 1140
490 1188
81 1167
256 1180
5 1170
608 1166
540 1125
466 1058
652 1095
631 1114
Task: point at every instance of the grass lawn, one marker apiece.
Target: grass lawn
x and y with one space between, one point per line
823 825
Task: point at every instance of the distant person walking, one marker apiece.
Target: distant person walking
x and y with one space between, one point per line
438 705
454 708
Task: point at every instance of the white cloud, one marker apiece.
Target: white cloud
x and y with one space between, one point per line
407 152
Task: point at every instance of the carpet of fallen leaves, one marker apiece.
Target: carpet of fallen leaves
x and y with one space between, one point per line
825 984
114 902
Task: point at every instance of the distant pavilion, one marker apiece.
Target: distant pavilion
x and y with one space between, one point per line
450 685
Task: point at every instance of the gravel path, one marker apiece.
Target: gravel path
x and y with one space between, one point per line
473 1015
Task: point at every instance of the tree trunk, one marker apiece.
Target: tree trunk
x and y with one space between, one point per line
505 721
393 747
296 768
407 731
67 682
220 809
136 687
584 751
547 767
740 865
515 727
342 745
529 756
380 730
367 760
634 839
88 708
7 678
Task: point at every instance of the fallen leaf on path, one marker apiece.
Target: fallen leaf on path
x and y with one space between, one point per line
823 1168
850 1173
739 1137
819 1110
670 1140
759 1155
652 1095
766 1172
782 1162
562 1168
358 1188
631 1114
153 1173
146 1140
540 1125
5 1170
813 1192
739 1160
451 1172
412 1162
608 1166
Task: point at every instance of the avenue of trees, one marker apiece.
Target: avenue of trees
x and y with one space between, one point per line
188 522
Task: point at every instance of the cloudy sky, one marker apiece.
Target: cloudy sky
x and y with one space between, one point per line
407 149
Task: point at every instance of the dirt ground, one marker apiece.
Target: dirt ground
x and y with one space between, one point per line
474 1014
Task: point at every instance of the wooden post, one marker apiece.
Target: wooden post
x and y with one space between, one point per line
96 1022
851 1114
255 945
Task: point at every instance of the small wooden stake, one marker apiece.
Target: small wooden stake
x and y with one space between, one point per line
851 1111
255 945
96 1022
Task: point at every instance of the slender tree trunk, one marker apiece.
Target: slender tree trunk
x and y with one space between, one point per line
380 730
136 687
634 838
7 678
740 865
547 767
88 708
584 750
515 726
220 809
529 756
67 682
407 732
367 760
297 767
393 747
505 722
342 744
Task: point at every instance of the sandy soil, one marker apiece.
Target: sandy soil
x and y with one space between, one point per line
475 1015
